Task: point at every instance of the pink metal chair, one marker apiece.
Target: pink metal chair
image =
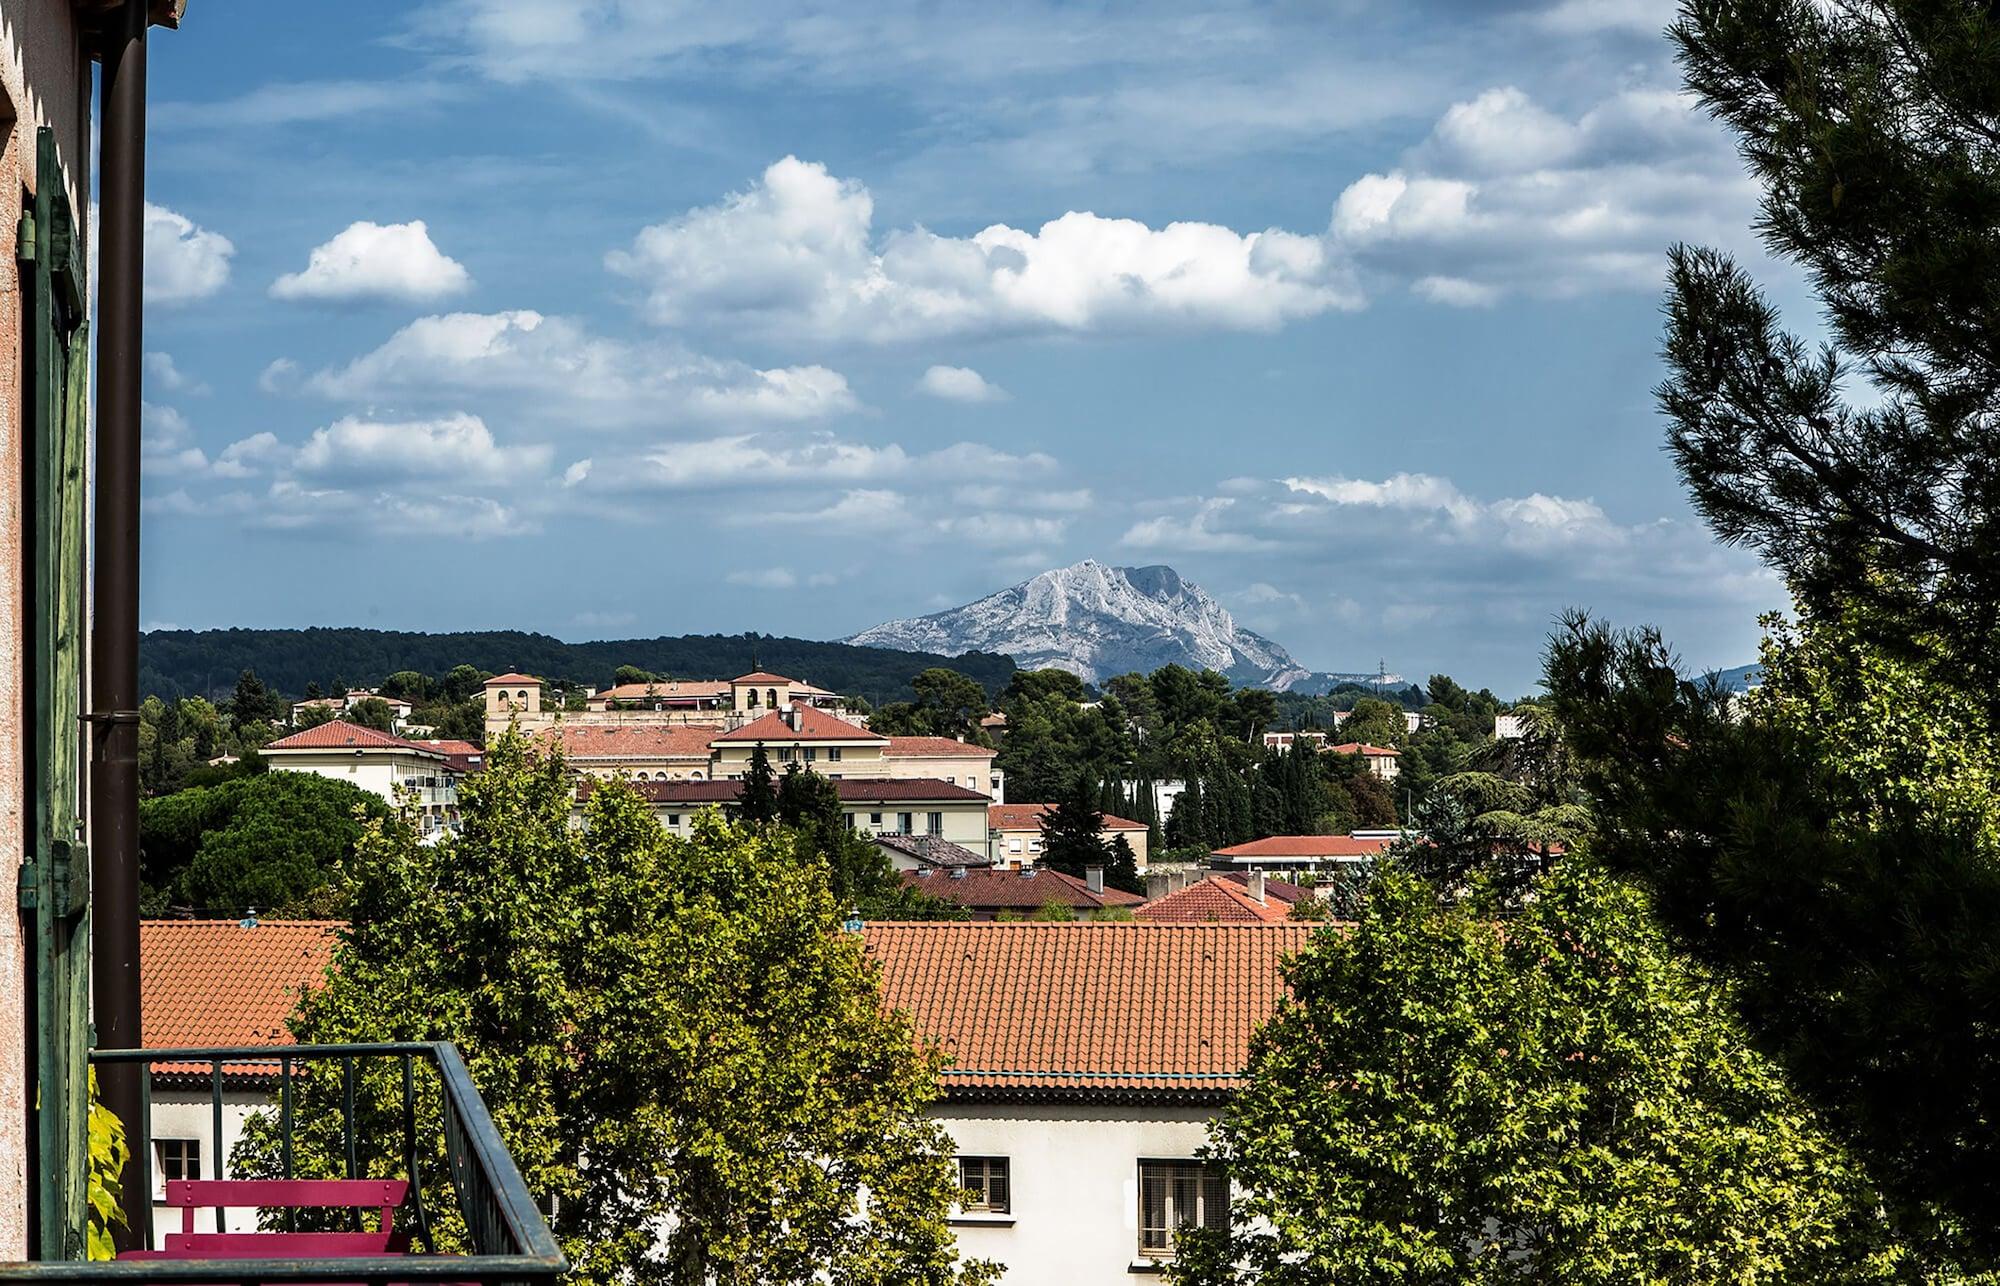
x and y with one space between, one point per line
190 1195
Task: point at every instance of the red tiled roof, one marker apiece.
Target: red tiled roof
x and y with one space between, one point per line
1362 748
665 690
512 680
1307 846
214 982
1028 817
632 741
852 790
1282 890
934 747
338 734
1035 1010
814 725
994 889
1213 900
760 676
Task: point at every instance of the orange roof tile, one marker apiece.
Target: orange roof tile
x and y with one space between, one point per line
666 690
1028 817
993 889
934 747
1310 846
1362 748
814 725
632 741
513 680
1086 1009
338 734
216 983
760 676
1212 901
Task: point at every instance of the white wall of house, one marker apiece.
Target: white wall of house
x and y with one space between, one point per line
187 1114
380 772
974 772
1074 1175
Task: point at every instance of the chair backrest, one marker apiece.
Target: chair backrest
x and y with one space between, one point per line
292 1194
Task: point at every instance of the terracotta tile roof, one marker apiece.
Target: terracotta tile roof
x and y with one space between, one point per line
932 850
338 734
1307 846
934 747
1362 748
214 982
462 755
1028 817
760 676
1086 1009
852 790
994 889
511 680
814 725
632 740
667 690
1212 901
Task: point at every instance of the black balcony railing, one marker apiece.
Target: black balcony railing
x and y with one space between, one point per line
508 1242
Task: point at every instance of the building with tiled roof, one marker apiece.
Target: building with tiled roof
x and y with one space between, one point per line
805 735
1016 830
212 983
1304 852
1086 1062
642 751
875 806
914 854
405 773
947 758
990 891
1381 760
1214 900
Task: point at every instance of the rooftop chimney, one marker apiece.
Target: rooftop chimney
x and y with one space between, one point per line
1093 878
1256 885
1158 884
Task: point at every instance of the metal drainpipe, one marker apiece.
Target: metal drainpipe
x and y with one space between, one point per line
114 640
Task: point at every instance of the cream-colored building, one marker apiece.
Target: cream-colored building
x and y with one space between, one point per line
804 735
946 759
706 703
873 806
1381 760
641 751
399 771
1014 834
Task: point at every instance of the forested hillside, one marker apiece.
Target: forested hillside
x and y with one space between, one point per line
175 663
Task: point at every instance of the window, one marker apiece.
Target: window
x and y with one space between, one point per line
673 819
1175 1195
906 823
986 1185
812 754
176 1159
774 697
937 823
833 754
874 819
1014 845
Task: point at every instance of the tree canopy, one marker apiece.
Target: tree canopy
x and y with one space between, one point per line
266 840
679 1045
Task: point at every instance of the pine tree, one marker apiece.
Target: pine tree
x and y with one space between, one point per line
758 801
1073 831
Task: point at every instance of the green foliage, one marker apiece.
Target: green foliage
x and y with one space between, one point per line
629 674
678 1043
948 704
109 1153
314 716
1073 831
1054 913
1559 1098
262 840
372 712
253 702
758 801
175 663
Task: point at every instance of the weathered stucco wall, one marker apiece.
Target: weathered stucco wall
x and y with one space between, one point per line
45 79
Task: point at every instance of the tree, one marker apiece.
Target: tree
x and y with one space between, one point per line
464 682
315 715
953 703
1073 831
1374 723
312 692
253 702
410 685
1870 128
1123 870
1444 1100
758 801
626 675
264 840
1251 710
683 1052
372 712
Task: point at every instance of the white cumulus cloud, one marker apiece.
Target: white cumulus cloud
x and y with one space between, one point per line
960 384
797 254
456 446
184 262
376 261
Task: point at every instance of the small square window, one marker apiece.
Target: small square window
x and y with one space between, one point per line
988 1188
673 819
176 1159
874 819
833 754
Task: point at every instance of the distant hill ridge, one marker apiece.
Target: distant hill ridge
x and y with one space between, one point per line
175 663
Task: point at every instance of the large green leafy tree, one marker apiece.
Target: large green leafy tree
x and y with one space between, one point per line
254 702
678 1043
266 840
1558 1097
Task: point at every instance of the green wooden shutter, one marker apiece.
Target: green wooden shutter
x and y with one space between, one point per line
55 885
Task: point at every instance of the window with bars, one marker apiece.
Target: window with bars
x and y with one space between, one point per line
1175 1195
988 1187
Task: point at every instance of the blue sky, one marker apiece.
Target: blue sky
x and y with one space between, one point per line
611 318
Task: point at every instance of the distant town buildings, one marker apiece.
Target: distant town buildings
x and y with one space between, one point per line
422 775
1016 833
